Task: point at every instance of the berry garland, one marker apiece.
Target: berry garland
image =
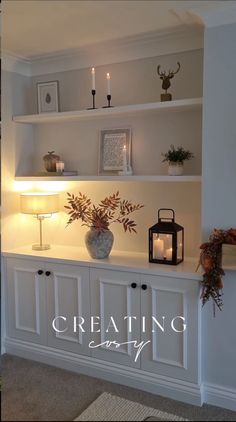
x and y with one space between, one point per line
211 262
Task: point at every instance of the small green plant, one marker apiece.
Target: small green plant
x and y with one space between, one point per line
177 155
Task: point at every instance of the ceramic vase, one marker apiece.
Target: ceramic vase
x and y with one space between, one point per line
175 169
50 161
99 243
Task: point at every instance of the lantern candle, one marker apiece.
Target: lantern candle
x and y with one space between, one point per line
169 254
158 248
108 84
93 78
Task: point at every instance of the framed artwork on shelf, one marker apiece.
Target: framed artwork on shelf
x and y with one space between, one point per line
115 149
48 97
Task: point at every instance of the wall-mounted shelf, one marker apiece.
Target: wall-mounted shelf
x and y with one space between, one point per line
94 178
177 105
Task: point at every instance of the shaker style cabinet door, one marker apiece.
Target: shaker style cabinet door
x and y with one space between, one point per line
26 300
172 351
68 306
115 295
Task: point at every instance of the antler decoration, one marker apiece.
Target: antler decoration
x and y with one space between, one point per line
166 81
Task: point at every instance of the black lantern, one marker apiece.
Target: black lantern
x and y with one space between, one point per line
166 240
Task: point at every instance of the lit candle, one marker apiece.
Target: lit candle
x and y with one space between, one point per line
108 84
60 165
93 78
169 254
158 248
124 155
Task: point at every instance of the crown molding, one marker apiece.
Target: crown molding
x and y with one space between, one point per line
118 51
223 15
115 51
14 63
219 15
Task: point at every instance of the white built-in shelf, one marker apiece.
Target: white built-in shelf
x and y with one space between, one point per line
177 105
94 178
124 261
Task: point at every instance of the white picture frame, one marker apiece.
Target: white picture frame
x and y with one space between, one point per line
48 97
111 146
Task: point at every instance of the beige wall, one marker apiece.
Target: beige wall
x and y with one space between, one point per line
132 82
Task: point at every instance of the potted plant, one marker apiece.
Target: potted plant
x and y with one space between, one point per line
99 239
176 157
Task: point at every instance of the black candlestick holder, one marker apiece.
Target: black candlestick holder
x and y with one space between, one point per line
109 102
93 94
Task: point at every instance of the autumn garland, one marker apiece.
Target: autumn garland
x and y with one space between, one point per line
211 262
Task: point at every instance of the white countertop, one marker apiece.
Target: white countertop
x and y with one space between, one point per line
119 260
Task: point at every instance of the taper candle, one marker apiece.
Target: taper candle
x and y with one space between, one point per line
124 155
108 84
93 78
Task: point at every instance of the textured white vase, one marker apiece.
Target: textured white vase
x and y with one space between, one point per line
175 169
99 243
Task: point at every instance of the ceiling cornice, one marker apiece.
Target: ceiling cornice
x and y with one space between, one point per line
223 13
14 63
122 50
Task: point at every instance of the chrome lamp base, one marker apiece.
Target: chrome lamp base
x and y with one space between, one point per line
41 246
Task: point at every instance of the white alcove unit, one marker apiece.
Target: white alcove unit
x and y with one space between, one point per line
64 280
39 288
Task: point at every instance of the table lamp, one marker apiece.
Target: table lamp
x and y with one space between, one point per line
41 205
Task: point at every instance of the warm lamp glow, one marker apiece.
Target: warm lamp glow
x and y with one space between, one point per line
39 203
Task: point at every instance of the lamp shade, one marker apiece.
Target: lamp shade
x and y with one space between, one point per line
39 203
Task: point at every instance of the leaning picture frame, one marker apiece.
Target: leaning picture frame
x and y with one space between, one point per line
112 142
48 97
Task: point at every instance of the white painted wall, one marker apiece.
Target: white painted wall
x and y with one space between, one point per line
219 194
16 99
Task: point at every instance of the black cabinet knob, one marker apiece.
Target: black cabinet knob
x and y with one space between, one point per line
144 287
48 273
40 272
134 285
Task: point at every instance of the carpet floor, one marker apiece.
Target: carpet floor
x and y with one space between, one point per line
33 391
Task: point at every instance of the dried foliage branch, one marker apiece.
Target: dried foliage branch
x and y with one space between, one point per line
110 210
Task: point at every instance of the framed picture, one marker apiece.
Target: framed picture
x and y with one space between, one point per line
48 97
112 145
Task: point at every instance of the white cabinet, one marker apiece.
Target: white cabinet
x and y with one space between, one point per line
173 350
119 312
115 294
68 306
26 301
159 307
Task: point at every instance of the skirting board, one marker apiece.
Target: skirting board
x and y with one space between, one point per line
220 396
163 386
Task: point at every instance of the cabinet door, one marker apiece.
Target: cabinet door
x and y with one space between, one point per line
26 316
68 305
113 297
171 353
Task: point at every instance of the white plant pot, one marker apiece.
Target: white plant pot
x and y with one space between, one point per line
175 169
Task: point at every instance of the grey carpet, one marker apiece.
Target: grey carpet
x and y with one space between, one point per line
36 392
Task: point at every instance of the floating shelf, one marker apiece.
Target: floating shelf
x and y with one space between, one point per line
94 178
177 105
